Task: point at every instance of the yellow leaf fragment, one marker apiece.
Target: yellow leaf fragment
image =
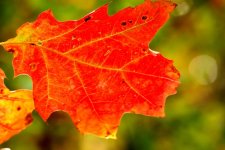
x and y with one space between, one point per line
15 110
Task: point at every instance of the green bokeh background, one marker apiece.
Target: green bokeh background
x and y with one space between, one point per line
194 38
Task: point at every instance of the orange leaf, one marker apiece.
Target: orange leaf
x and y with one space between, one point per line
15 110
97 68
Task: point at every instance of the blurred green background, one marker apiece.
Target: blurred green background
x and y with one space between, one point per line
194 38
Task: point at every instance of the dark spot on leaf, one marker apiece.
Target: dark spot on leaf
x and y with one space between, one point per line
123 23
18 108
108 133
1 91
11 51
39 43
144 50
32 44
123 81
144 17
14 52
73 37
33 66
130 21
87 18
28 119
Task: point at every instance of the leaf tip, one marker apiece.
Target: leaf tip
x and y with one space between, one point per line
48 14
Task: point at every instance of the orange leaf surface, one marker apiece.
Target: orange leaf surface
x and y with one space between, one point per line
97 68
15 110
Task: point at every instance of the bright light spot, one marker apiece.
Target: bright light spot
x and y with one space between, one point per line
5 149
154 52
182 8
203 69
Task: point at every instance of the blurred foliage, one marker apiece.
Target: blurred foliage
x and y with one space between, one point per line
193 38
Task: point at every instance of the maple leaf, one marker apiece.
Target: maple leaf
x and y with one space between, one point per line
96 68
15 110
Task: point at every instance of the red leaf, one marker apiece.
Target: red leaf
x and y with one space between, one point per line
97 68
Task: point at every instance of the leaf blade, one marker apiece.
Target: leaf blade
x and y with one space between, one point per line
97 74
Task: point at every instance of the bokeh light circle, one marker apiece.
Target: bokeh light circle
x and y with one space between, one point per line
203 69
